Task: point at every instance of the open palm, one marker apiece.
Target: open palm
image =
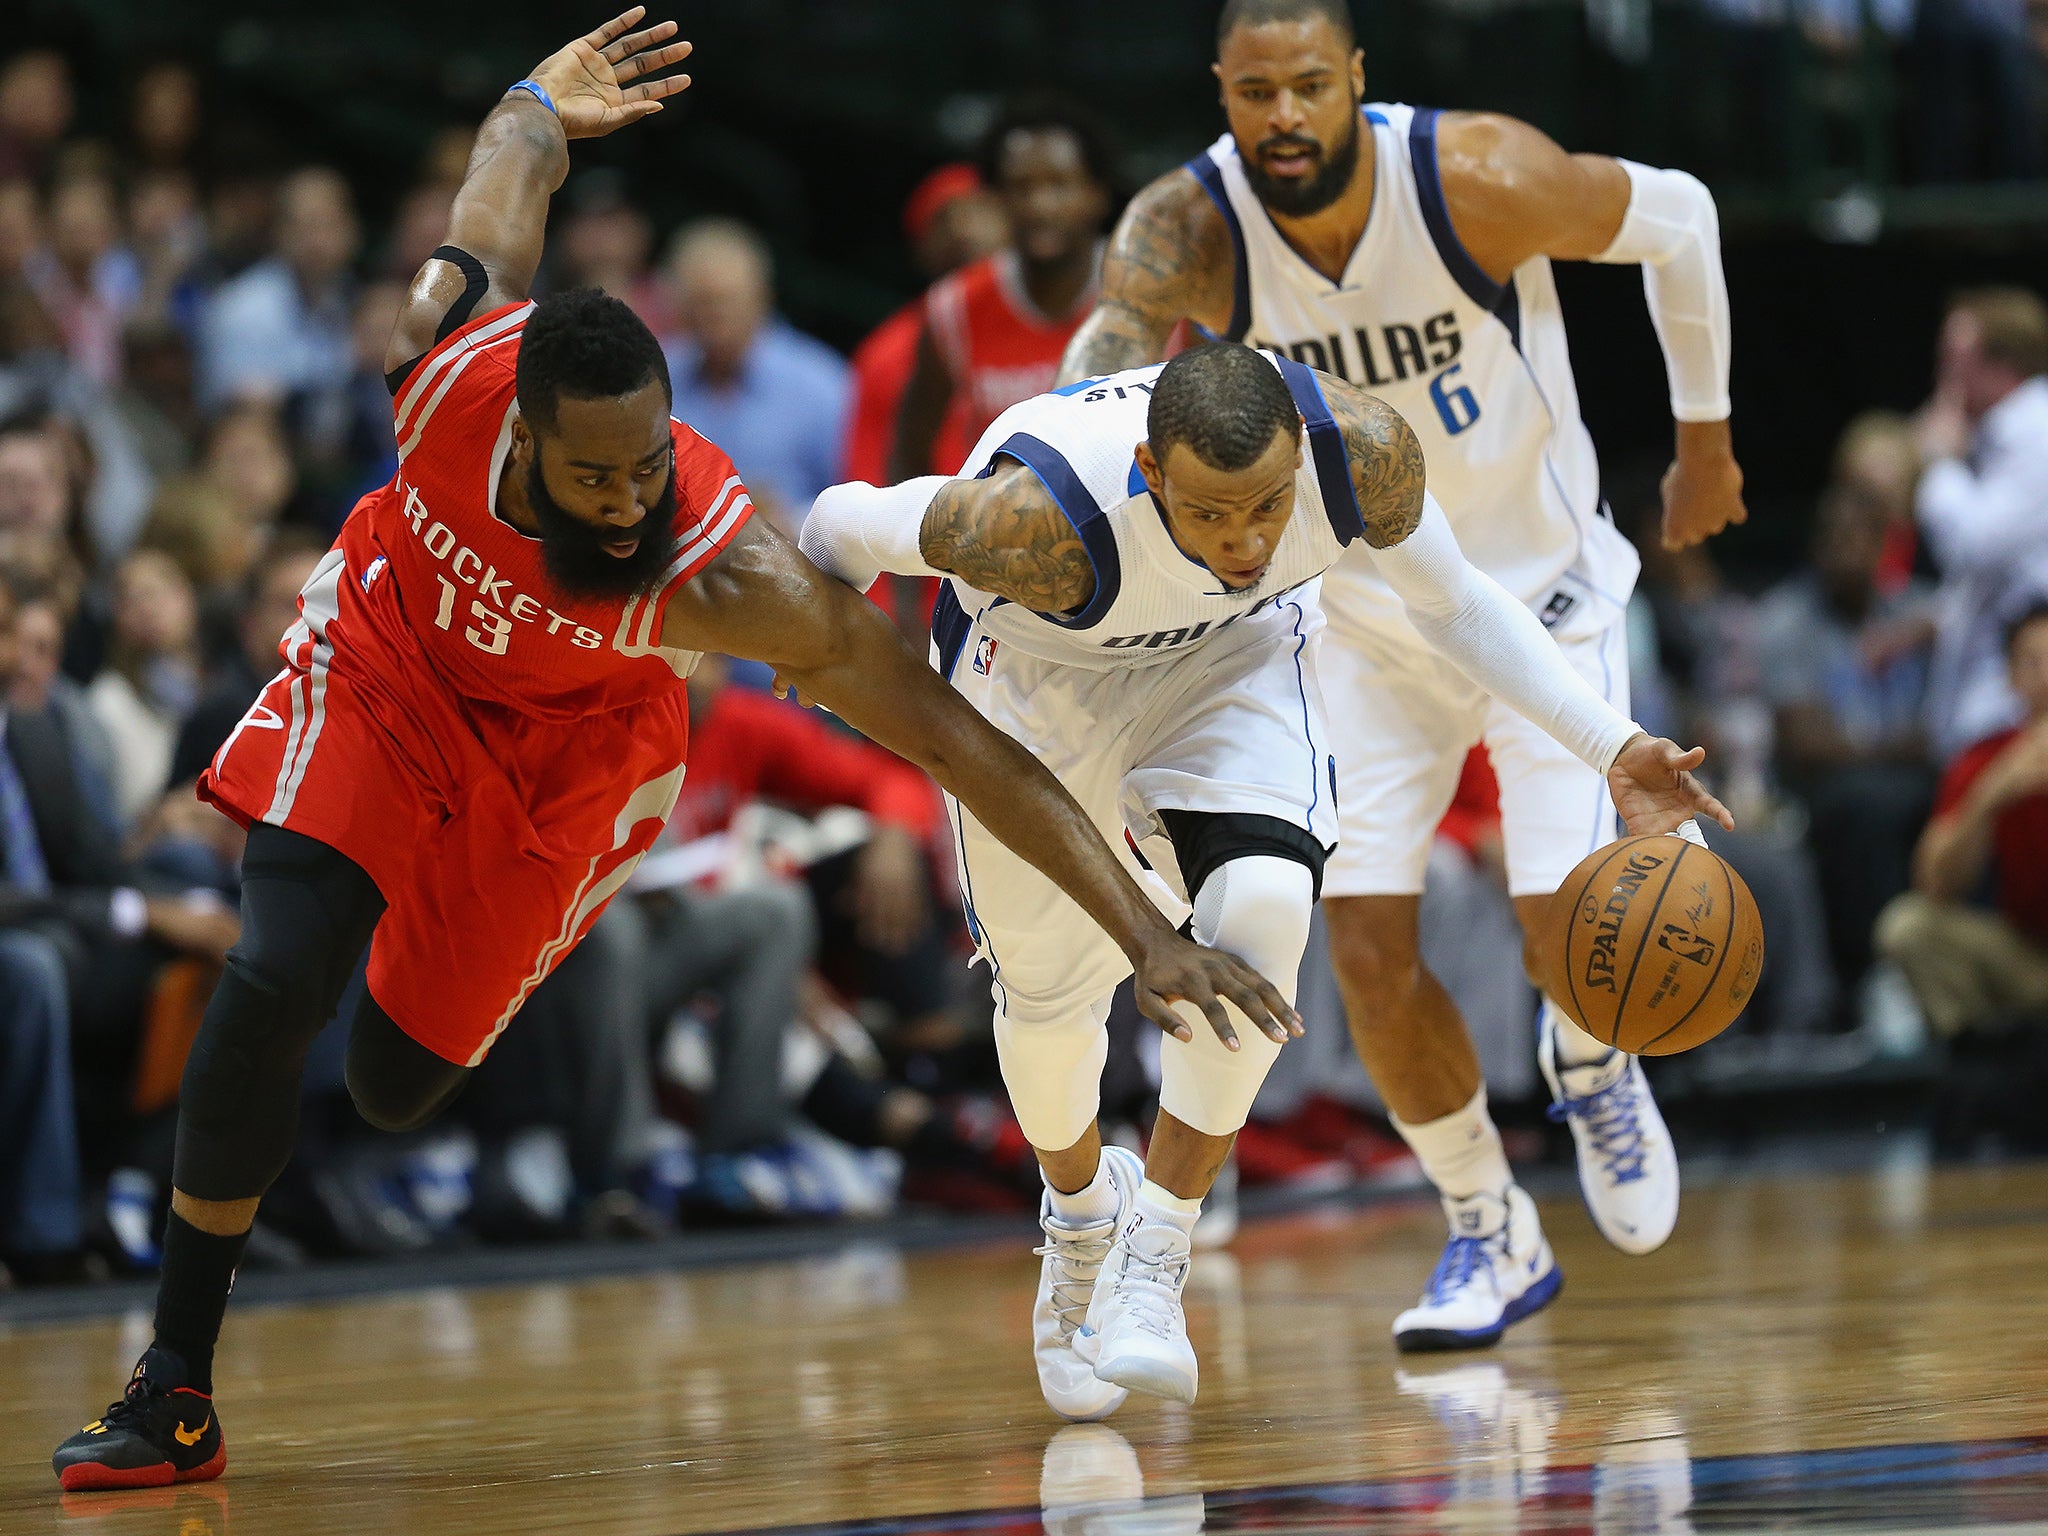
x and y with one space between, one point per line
599 82
1654 788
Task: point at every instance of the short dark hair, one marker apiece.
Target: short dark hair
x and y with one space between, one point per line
2033 612
1253 13
586 345
1043 111
1224 401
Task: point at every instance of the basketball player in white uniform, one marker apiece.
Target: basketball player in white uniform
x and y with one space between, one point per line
1409 252
1132 569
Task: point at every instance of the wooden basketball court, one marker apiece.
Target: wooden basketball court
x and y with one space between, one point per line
1857 1352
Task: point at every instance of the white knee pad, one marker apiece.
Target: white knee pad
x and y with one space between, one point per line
1053 1069
1256 908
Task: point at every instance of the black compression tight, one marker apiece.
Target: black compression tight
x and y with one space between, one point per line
307 914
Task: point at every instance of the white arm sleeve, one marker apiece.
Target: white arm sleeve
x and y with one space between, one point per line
1672 229
1497 642
857 531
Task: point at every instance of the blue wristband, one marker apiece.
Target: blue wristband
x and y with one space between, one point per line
534 90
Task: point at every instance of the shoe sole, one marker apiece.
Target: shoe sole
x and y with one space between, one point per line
91 1476
1422 1341
1090 1418
1137 1373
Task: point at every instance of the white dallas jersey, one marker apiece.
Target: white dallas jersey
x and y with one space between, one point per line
1480 370
1152 601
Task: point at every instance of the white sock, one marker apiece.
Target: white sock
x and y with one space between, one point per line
1158 1203
1575 1048
1095 1201
1460 1152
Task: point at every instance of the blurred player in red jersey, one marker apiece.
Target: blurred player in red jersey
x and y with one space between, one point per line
950 219
995 329
481 721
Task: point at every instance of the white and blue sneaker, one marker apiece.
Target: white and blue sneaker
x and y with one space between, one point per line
1142 1331
1496 1270
1628 1169
1061 1342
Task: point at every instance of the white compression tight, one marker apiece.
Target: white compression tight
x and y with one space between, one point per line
1255 907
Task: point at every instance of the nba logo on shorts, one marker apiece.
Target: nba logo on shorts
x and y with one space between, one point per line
984 654
376 569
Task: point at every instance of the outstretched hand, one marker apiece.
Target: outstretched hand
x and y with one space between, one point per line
1654 788
1178 970
592 80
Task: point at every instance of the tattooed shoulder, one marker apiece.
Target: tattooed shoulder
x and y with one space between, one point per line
1387 472
1170 259
1005 534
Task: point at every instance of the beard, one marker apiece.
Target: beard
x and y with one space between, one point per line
574 551
1298 199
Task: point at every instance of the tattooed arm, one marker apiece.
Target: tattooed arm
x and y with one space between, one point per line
1387 473
1005 534
1169 260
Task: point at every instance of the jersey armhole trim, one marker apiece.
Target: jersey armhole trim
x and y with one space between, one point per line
1210 175
1326 447
1081 510
1498 299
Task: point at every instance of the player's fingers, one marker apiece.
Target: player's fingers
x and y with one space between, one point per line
633 62
1164 1014
618 26
1261 1002
657 90
1678 759
1706 804
1219 1020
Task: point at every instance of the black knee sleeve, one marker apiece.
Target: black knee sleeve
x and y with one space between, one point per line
307 912
397 1083
1204 841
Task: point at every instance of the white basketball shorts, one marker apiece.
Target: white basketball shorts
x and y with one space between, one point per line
1403 719
1235 725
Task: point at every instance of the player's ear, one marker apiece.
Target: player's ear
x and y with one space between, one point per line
1358 73
1148 466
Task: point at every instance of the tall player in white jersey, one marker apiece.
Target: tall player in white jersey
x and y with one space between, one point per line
1409 251
1133 565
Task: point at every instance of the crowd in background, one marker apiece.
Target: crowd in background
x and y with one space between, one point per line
776 1019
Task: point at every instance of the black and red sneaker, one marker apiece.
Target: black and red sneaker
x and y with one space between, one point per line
161 1432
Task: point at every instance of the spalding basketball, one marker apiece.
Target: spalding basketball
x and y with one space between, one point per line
1655 945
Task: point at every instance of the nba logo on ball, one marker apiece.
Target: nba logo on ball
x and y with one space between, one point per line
985 654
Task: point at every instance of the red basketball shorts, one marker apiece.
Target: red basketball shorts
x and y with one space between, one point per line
495 838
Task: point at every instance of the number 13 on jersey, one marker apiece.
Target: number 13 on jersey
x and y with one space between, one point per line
496 632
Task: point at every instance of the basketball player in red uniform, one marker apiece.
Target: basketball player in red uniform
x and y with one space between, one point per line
481 721
994 330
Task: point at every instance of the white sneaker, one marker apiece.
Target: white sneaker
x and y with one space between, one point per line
1495 1270
1628 1169
1073 1255
1137 1317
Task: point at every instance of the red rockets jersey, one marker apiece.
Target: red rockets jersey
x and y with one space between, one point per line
469 594
999 349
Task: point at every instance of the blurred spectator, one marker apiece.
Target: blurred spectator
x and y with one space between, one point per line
1983 501
949 220
86 279
241 218
269 606
40 1180
1844 668
168 237
1968 965
151 680
248 460
343 431
605 243
35 111
40 686
770 396
164 116
156 403
283 325
995 330
21 234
